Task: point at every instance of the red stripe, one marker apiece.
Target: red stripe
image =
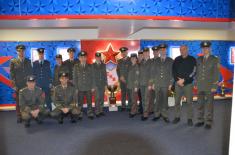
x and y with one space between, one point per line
8 105
5 81
48 17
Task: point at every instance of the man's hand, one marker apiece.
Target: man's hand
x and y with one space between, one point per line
65 110
169 88
180 82
213 90
93 90
149 87
122 79
136 89
34 113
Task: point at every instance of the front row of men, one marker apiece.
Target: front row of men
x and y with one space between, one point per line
150 80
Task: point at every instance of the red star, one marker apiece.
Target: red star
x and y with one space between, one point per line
109 54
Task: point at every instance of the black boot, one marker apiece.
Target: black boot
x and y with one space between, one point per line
27 124
176 120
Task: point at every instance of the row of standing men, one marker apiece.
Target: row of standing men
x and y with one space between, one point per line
140 77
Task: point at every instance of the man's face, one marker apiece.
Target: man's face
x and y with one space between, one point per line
31 85
41 56
163 52
146 54
98 59
140 57
63 80
82 59
58 61
124 54
133 60
156 53
20 53
71 55
184 51
206 50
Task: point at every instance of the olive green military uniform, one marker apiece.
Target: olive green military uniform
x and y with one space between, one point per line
84 83
100 81
65 97
144 81
32 100
122 70
57 70
132 83
162 78
19 70
207 77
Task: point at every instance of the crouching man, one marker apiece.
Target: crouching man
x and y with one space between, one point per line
32 102
65 100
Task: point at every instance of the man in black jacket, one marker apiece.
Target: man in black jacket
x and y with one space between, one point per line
184 70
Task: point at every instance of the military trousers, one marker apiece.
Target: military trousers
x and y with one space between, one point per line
145 100
26 113
125 93
134 98
47 92
99 100
186 91
161 104
18 113
205 105
88 95
151 100
74 112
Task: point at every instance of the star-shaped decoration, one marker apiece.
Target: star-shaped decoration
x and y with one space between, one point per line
118 7
145 8
39 6
110 54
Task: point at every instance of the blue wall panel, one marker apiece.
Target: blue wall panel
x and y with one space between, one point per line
192 8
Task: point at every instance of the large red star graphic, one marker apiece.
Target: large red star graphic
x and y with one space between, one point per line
109 54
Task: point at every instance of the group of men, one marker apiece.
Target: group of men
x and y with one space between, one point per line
141 78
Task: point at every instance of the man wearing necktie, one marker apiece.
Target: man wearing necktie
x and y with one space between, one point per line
207 78
20 68
84 84
100 81
162 82
69 64
42 72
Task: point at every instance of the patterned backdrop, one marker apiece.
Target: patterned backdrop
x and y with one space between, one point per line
192 8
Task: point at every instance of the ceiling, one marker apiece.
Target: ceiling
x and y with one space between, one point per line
74 29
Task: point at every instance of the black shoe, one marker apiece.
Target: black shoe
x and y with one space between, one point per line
144 118
79 118
19 120
102 114
38 120
27 124
97 115
207 126
131 115
73 120
199 124
91 117
166 119
190 122
123 109
156 118
176 120
60 120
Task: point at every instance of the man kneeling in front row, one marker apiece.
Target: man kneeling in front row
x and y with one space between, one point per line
65 100
32 102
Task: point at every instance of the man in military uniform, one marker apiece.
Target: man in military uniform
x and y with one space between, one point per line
59 67
206 81
144 82
162 82
65 100
140 58
100 81
42 71
84 83
156 55
70 63
133 84
32 102
184 71
20 68
122 71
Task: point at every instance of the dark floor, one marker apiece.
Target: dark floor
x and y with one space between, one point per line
116 134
